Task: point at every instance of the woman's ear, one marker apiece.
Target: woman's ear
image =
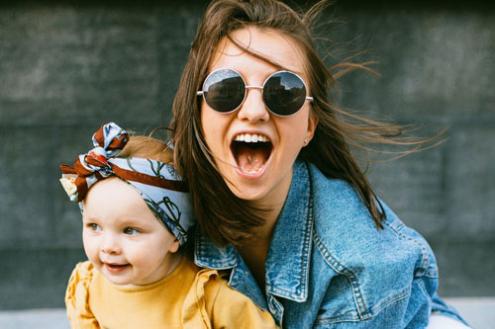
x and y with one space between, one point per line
174 246
312 124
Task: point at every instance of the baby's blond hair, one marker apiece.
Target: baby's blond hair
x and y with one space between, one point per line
147 147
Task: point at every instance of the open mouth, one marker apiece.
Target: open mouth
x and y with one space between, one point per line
116 267
251 152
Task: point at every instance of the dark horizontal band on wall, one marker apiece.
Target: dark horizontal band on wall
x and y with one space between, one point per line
345 4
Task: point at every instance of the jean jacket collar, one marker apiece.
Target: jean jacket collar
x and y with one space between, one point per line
287 262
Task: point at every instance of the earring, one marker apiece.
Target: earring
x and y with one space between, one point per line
306 141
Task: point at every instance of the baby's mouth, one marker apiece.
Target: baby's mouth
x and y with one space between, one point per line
115 267
251 152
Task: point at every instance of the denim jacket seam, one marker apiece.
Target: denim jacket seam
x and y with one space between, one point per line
294 294
375 311
430 276
307 247
305 255
350 316
214 265
390 300
422 287
200 251
425 259
278 309
338 267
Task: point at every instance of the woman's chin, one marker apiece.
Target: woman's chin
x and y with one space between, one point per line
251 194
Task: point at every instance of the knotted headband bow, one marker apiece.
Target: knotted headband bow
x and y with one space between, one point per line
158 183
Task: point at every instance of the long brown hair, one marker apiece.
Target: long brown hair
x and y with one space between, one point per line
221 215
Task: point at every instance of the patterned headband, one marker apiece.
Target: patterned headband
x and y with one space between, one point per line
158 183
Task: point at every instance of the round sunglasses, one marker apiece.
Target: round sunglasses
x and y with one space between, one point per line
284 92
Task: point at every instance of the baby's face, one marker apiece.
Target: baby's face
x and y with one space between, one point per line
123 238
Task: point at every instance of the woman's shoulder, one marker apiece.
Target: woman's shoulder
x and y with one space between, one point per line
344 228
377 267
336 197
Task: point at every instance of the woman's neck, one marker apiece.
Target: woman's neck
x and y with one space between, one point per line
265 231
255 250
270 208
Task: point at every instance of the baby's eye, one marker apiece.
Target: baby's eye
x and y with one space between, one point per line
94 227
131 231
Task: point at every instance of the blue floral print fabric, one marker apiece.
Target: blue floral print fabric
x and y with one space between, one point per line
158 183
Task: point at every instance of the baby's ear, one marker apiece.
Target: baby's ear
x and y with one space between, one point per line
174 246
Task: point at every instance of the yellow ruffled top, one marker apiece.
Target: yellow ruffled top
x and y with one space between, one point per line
189 297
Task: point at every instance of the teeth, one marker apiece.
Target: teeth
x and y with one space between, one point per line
254 171
251 138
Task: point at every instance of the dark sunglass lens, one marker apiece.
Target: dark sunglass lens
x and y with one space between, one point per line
224 90
284 93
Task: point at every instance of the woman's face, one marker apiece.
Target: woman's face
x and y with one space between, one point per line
254 150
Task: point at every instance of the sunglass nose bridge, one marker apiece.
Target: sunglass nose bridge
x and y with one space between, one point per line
254 87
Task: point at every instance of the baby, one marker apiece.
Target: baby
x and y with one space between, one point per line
136 220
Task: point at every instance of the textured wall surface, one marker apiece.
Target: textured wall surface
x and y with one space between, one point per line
65 68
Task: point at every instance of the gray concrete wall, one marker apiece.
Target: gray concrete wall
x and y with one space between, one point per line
65 68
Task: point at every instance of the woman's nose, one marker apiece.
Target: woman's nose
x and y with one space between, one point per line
110 244
253 109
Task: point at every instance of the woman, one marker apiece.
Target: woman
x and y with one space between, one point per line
280 201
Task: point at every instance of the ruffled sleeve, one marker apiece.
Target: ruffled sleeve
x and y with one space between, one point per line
77 298
194 310
233 309
213 304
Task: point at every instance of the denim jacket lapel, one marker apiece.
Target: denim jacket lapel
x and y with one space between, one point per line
208 255
288 260
287 263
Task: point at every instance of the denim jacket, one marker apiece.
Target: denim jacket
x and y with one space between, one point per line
328 266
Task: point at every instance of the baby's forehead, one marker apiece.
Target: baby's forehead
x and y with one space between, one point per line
112 189
112 198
